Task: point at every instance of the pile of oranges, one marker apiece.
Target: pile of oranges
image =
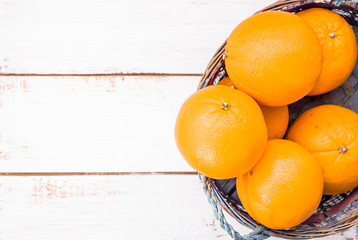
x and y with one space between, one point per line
239 128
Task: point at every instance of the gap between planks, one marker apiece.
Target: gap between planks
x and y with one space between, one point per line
92 173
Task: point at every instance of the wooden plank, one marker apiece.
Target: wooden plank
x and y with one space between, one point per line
110 207
158 36
91 124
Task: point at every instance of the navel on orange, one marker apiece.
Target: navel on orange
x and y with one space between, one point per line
330 133
274 56
220 132
285 186
339 46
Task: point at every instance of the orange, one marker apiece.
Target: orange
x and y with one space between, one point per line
220 132
284 188
330 133
276 118
274 56
227 82
339 46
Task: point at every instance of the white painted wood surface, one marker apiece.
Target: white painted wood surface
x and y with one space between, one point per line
76 120
91 124
105 207
116 36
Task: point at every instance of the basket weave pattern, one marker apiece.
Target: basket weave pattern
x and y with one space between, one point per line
335 213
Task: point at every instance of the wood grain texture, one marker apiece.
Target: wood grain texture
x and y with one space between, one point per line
91 124
110 207
111 36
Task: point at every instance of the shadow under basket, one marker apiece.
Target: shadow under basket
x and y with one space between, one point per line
335 213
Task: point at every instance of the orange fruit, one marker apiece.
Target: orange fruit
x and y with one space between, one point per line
285 186
220 132
330 133
227 82
339 47
274 56
276 118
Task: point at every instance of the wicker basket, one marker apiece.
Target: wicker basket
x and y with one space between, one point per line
335 213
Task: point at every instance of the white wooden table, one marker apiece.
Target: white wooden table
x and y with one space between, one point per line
89 92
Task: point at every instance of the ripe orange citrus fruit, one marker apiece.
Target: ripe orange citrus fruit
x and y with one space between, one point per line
220 132
274 56
285 186
276 118
339 46
330 133
227 82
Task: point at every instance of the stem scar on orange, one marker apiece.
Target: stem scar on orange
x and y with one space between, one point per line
274 56
330 133
220 132
276 118
339 47
285 186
